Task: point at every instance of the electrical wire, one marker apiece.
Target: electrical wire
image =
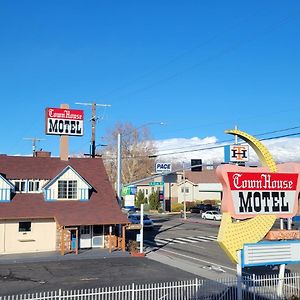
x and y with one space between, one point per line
194 150
229 140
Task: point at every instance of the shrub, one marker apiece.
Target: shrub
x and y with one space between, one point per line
189 204
160 210
132 246
176 207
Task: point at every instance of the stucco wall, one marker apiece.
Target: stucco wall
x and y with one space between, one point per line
42 236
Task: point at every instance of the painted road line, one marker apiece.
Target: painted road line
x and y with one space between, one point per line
175 241
207 238
198 239
164 242
198 259
186 240
156 243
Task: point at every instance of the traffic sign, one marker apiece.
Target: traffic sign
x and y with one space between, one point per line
156 183
134 226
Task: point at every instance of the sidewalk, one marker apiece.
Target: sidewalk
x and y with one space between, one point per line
55 256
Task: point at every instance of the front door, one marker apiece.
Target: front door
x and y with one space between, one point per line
85 237
73 240
98 236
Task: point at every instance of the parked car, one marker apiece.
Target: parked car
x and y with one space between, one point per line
200 208
212 215
136 219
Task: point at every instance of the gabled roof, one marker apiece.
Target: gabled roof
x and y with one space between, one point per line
61 173
186 181
205 176
8 182
102 207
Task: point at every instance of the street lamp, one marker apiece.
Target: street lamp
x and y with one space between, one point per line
119 156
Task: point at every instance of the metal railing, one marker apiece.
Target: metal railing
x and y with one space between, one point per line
253 288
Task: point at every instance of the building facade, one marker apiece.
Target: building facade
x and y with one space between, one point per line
50 204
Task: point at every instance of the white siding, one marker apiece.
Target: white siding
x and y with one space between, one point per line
68 175
5 190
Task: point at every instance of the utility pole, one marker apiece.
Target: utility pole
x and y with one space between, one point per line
34 140
93 120
184 200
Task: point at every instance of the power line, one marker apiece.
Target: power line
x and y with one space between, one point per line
229 140
201 149
221 53
183 54
93 120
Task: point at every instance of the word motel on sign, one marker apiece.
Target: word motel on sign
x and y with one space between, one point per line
263 192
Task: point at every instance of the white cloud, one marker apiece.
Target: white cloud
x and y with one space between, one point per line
282 150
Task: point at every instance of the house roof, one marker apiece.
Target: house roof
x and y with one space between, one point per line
102 207
205 176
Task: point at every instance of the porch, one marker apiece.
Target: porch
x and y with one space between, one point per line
71 239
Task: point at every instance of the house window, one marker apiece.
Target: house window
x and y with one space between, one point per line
187 190
24 226
33 186
67 189
20 186
85 229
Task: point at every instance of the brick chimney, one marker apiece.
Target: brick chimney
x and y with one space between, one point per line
42 154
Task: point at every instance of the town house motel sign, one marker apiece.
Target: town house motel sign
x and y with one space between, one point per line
260 195
64 121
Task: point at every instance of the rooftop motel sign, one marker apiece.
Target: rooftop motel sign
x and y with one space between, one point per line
63 121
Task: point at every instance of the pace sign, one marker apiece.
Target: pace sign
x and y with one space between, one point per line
163 167
64 121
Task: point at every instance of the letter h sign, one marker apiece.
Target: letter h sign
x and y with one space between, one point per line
237 153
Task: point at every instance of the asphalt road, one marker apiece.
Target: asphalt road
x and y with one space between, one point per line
193 245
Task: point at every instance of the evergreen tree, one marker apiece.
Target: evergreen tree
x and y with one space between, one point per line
154 202
139 199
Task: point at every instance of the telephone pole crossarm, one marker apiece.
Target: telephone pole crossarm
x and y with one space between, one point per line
93 120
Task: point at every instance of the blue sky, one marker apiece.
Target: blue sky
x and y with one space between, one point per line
201 66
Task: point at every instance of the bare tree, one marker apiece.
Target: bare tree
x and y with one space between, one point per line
136 146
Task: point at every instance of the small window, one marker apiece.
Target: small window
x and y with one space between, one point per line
33 186
85 229
20 186
24 226
187 190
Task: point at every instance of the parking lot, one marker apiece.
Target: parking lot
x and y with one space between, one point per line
30 277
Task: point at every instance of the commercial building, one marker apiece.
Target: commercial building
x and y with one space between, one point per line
48 203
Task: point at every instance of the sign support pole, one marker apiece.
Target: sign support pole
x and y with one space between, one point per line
280 280
239 271
184 202
142 229
64 141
